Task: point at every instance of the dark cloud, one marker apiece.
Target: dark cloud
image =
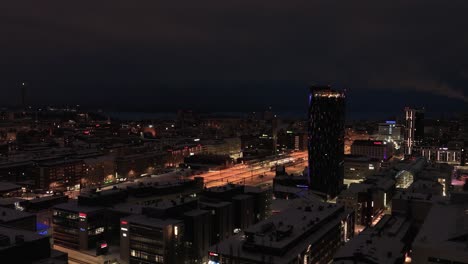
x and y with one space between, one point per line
172 54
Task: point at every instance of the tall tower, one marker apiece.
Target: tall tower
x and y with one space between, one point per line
326 140
23 94
414 131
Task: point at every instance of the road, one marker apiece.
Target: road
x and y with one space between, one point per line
253 174
256 173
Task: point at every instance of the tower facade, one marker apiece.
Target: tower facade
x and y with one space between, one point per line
414 130
326 140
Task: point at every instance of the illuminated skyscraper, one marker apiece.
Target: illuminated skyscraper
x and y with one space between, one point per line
326 140
414 131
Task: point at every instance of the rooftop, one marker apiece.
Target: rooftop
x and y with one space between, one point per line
8 215
8 187
382 243
150 221
283 236
73 206
445 230
11 235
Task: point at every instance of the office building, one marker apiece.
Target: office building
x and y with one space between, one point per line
414 130
150 240
375 149
358 167
390 131
326 140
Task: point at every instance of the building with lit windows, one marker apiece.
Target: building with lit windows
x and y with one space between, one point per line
387 242
390 131
59 175
376 149
414 130
326 140
150 240
358 167
310 233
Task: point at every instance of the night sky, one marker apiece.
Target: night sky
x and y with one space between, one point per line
235 55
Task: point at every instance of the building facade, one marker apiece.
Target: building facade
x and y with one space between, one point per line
326 140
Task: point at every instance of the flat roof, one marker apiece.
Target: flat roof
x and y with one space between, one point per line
150 221
11 233
73 206
8 215
8 187
196 212
445 230
382 243
295 223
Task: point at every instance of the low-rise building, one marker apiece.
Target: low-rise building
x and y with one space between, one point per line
22 246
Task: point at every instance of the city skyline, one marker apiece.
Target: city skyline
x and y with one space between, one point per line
222 132
257 54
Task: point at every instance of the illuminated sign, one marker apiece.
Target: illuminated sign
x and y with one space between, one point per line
214 254
82 215
103 245
123 222
377 143
123 229
302 186
390 122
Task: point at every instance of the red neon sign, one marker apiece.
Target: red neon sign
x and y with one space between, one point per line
103 245
123 222
82 215
377 143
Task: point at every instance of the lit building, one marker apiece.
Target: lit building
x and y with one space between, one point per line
89 222
390 130
387 242
227 146
59 175
151 240
326 140
376 149
359 167
442 154
136 165
310 233
368 199
414 131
